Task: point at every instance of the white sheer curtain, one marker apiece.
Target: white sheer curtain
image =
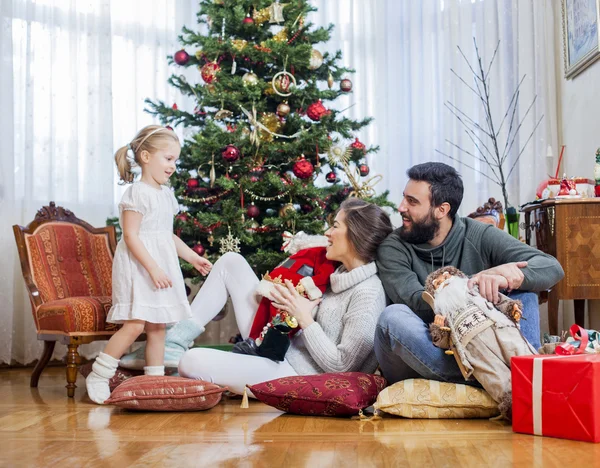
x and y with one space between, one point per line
75 74
403 51
74 77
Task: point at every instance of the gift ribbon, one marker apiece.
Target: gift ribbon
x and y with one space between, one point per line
537 396
567 349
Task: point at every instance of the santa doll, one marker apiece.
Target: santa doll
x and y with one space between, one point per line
481 336
309 270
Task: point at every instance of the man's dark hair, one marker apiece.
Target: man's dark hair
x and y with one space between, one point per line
446 183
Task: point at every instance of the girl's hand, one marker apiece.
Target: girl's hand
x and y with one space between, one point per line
201 264
160 278
286 298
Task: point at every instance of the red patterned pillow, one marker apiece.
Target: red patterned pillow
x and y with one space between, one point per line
165 393
337 394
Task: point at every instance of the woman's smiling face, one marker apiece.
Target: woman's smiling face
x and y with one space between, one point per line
339 247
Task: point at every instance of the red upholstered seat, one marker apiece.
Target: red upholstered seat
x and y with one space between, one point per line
75 315
67 268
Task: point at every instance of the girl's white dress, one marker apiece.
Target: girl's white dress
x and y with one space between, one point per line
134 295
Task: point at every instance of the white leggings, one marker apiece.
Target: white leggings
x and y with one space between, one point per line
230 276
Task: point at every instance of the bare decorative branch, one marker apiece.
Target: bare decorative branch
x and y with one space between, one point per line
492 157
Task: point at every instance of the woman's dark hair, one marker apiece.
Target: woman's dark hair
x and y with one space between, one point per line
445 184
368 225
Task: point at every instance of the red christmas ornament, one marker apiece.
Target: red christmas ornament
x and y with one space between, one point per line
248 20
230 153
174 106
331 177
199 249
303 169
364 170
181 57
316 110
357 145
209 71
183 217
253 211
346 85
193 183
306 208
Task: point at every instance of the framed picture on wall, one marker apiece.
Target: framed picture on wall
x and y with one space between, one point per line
581 34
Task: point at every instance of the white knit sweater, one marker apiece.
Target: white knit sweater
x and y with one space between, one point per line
342 337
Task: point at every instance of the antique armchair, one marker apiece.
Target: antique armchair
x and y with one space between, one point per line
67 268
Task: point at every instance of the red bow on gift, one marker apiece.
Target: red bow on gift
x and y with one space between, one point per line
579 334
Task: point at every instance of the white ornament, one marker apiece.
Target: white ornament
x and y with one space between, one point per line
229 244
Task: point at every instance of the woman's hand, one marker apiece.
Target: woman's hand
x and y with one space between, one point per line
160 278
287 299
201 264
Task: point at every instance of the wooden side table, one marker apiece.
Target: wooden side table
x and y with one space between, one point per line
568 229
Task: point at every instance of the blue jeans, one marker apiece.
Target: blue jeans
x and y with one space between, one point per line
404 348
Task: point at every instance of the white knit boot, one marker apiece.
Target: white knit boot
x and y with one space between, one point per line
178 339
154 370
97 382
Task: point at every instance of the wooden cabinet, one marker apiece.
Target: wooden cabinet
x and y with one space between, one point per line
568 229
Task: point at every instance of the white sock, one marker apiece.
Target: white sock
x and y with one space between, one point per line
154 370
97 382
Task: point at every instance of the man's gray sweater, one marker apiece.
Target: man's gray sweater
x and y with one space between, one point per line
471 246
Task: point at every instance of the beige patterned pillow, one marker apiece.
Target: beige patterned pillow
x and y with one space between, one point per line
429 399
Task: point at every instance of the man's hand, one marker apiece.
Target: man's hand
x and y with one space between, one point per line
489 285
511 271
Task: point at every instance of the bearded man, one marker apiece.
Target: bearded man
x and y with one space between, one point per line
432 236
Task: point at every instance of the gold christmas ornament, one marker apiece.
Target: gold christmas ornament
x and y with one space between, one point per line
316 59
250 79
272 123
330 80
239 44
261 16
283 109
286 209
223 114
281 36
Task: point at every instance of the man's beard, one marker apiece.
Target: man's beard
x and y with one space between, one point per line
420 231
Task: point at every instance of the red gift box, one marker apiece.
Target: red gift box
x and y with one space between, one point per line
557 396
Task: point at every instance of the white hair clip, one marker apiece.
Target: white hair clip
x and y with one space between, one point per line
130 155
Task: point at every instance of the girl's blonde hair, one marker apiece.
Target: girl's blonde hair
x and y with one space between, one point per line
148 139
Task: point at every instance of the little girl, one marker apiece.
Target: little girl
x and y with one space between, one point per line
147 284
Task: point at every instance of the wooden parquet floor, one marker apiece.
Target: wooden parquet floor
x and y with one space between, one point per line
42 427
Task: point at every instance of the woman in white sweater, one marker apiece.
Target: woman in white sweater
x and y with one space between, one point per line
341 336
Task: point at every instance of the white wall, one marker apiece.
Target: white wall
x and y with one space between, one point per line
578 129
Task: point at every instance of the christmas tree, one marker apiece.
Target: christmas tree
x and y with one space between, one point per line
262 131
